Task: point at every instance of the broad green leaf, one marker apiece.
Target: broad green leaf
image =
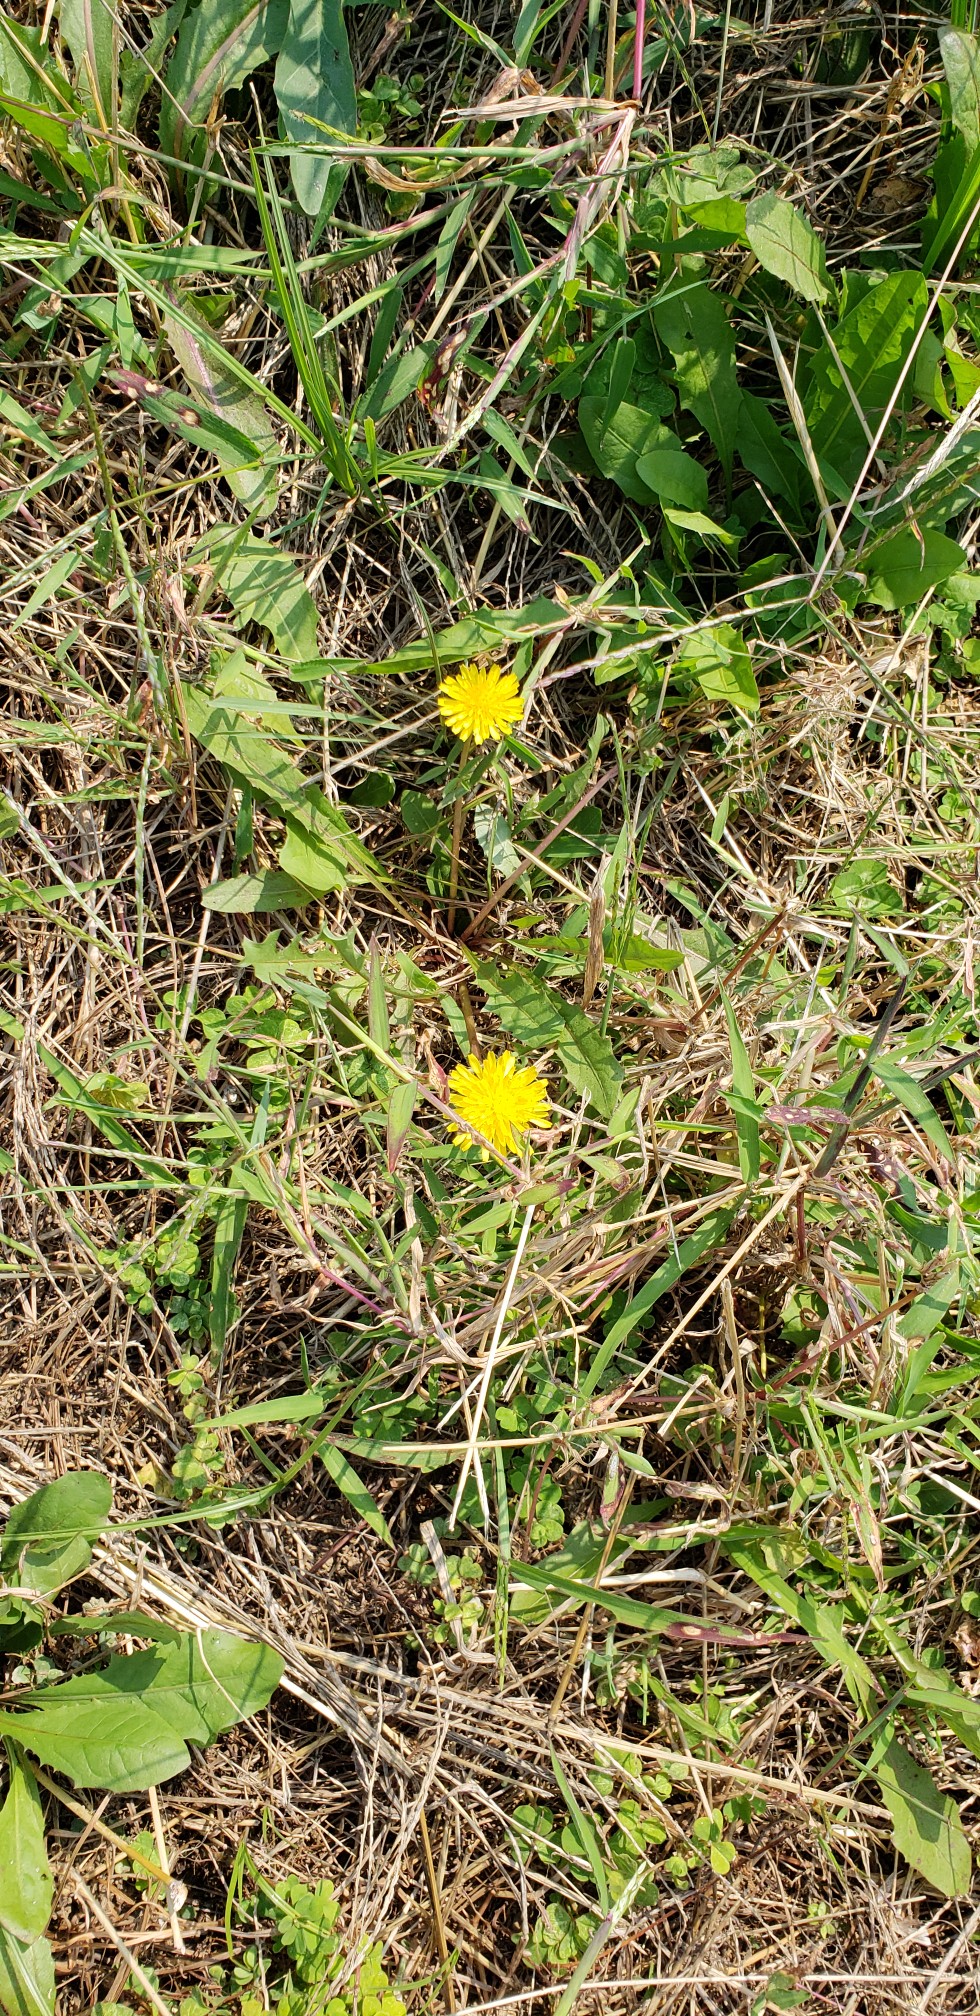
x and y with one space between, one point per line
905 567
263 585
355 1491
48 1537
420 813
121 1095
865 885
26 1882
927 1826
16 417
961 62
719 660
332 855
929 1308
872 342
447 240
926 1823
580 1557
312 859
291 1407
21 1625
632 431
492 833
219 45
34 96
53 578
243 441
202 1684
786 244
637 955
916 1102
26 1977
315 76
621 373
674 476
118 1623
705 529
122 1746
127 1726
692 322
540 1018
256 895
765 451
951 217
585 1829
87 28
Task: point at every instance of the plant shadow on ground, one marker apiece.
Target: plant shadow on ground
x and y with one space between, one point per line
609 1502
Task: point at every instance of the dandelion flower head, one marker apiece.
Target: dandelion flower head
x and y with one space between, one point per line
480 702
498 1099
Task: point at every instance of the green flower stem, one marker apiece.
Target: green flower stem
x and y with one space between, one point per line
459 808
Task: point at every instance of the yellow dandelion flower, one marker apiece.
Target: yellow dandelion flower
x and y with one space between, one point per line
498 1099
480 702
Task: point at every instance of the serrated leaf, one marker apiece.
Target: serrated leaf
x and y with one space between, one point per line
125 1750
926 1823
26 1882
48 1538
127 1727
872 342
219 45
786 244
248 452
691 321
320 851
263 585
541 1018
314 75
26 1977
